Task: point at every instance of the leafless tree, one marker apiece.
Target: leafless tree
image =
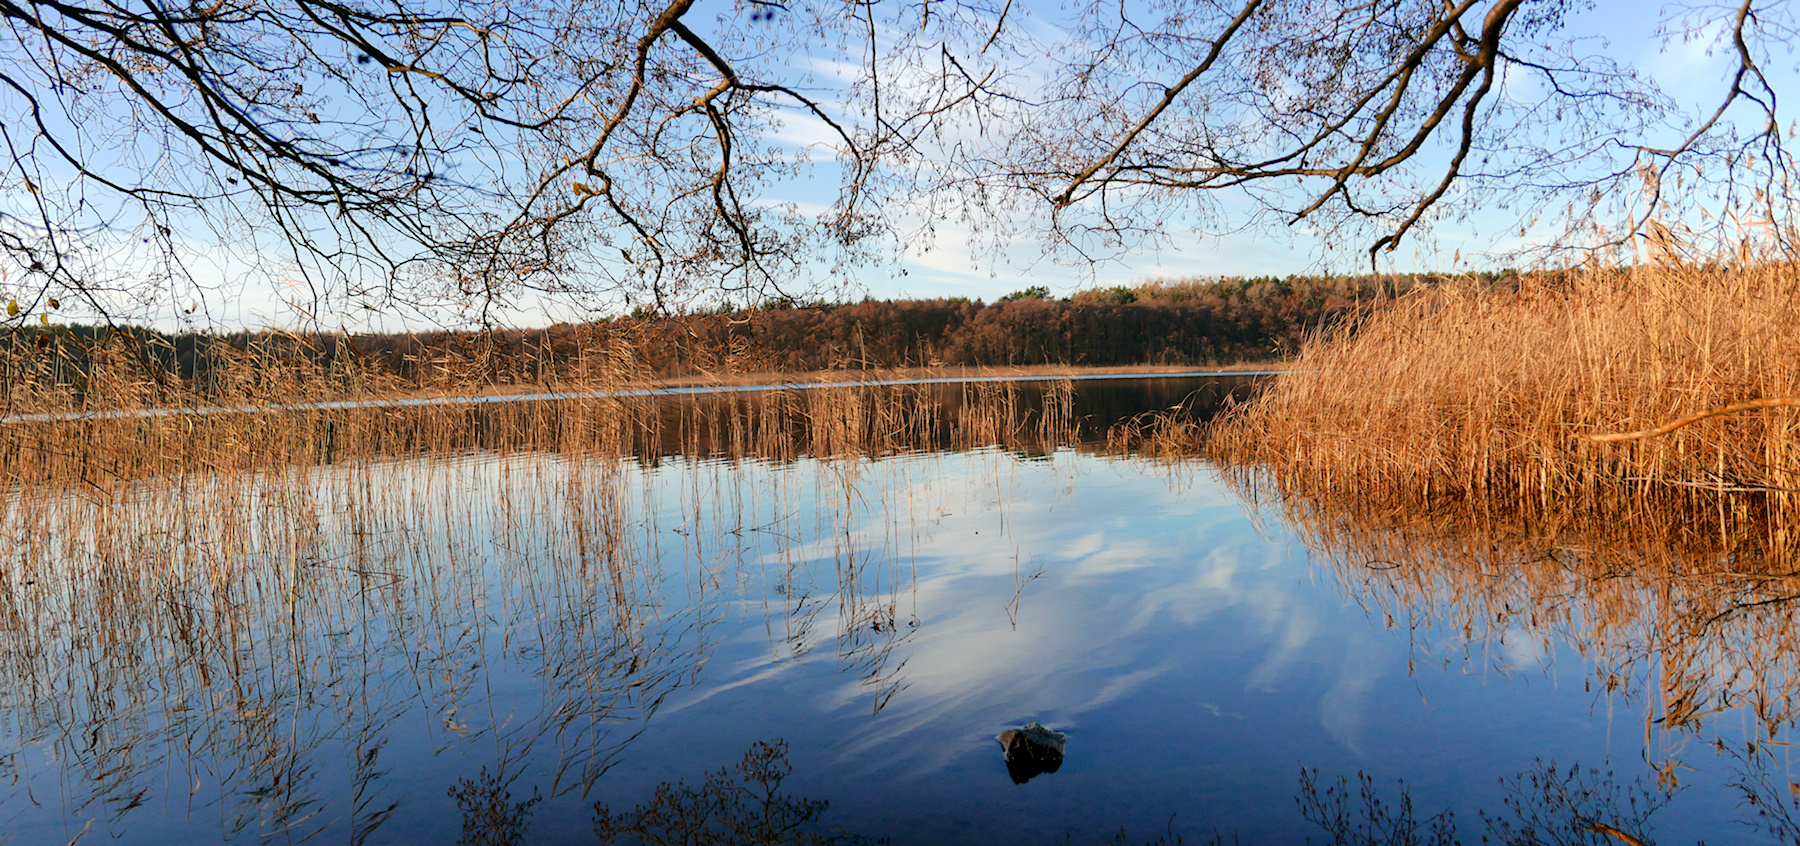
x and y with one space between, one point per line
462 154
400 155
1371 121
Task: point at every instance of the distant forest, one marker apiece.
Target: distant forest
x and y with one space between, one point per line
1189 322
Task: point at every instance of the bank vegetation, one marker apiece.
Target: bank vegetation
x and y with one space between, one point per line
1505 456
1197 322
1506 394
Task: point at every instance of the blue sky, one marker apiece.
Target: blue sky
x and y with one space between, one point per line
1693 71
237 289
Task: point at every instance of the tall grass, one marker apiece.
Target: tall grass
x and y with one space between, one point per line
1438 455
1485 395
826 421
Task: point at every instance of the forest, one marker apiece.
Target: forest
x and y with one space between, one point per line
1189 322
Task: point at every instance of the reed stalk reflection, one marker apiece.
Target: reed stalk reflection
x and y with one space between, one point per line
251 615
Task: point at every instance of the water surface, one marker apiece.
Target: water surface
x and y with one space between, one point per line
427 647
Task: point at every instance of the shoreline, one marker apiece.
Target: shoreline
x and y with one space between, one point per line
806 378
691 385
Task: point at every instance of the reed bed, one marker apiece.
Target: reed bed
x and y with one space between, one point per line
1486 395
1439 454
780 425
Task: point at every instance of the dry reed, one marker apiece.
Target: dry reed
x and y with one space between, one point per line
240 590
1486 394
1437 455
237 594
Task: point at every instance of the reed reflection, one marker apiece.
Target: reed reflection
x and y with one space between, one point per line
1688 623
258 618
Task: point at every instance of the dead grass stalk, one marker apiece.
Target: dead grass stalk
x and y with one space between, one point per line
1487 395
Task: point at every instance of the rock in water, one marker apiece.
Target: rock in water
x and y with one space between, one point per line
1031 751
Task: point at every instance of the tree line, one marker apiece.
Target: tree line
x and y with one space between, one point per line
1197 322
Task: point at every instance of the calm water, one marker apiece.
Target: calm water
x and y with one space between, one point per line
442 647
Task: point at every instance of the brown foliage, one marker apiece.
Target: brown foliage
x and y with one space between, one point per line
1439 458
1191 323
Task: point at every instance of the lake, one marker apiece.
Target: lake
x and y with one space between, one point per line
479 628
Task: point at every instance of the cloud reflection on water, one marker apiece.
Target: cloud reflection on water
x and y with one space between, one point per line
592 625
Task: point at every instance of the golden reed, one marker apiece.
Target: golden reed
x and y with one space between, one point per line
1492 396
1441 455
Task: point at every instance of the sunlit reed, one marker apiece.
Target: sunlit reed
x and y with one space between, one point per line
1481 394
1435 456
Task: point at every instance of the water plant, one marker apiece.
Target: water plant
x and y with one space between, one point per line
1490 396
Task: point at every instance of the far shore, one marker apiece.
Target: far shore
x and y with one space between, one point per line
873 374
700 383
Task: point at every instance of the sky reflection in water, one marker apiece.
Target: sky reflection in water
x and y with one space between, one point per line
887 618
